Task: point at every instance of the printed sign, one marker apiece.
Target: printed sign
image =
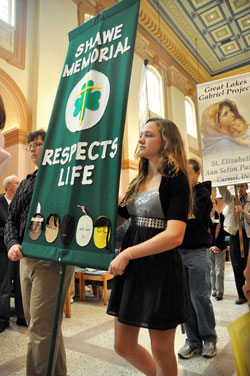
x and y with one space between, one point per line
224 120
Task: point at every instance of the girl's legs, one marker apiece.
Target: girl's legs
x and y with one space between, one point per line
126 345
162 343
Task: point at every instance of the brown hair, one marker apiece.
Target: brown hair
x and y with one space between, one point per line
33 135
195 164
232 107
2 114
173 156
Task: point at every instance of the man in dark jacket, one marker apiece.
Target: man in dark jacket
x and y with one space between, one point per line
10 185
200 326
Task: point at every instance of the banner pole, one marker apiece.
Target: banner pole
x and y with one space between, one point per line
55 320
239 222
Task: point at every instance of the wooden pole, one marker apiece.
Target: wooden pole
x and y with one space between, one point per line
55 321
237 201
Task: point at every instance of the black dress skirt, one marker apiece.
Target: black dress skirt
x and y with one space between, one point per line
152 291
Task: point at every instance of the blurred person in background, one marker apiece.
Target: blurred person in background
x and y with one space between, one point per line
10 185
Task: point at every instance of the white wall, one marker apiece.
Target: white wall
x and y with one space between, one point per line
133 109
176 107
56 19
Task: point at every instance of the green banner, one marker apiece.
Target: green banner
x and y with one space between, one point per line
72 216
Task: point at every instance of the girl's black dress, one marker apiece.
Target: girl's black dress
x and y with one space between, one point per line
152 291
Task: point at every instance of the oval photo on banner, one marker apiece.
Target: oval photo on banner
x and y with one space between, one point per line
52 228
67 228
102 232
36 226
84 230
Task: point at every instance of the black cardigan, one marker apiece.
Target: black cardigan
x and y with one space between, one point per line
174 197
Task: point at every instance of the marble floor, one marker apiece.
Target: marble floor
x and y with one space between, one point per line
89 341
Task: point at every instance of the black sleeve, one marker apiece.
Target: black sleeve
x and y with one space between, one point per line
211 227
12 226
174 195
202 207
220 241
123 212
3 217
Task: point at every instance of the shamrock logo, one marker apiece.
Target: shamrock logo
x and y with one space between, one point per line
88 99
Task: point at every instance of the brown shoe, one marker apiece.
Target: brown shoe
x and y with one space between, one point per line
214 293
240 301
219 296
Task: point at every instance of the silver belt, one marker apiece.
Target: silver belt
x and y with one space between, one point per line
149 222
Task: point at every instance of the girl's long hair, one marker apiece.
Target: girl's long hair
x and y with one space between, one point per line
2 114
173 158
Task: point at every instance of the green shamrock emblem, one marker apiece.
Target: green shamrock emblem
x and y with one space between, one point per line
87 99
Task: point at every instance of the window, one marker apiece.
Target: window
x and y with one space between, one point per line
7 25
87 17
155 97
190 117
7 12
13 31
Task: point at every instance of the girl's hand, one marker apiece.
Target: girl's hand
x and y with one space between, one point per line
118 265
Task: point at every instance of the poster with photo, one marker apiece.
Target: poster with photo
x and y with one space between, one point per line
224 123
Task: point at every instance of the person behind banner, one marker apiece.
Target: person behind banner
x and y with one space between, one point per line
217 251
4 155
149 288
39 279
224 129
10 185
200 324
231 225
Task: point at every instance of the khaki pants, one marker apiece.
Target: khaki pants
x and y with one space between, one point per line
39 283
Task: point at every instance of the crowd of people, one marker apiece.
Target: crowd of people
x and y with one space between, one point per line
171 258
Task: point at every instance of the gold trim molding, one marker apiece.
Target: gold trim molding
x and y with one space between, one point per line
149 20
142 46
15 136
177 79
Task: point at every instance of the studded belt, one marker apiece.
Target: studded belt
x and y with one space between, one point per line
149 222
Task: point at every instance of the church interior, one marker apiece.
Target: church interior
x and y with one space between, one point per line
186 43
